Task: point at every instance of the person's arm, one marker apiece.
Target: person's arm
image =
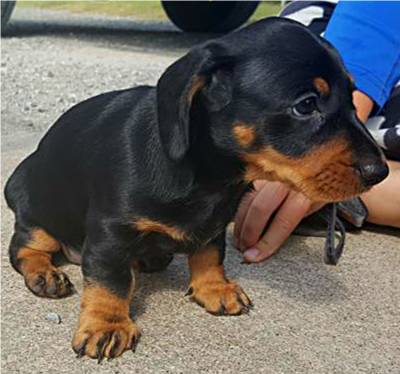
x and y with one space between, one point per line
367 36
363 104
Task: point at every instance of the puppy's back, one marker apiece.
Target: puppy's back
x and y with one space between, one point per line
50 187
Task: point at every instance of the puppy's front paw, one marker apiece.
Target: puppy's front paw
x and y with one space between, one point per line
220 297
99 337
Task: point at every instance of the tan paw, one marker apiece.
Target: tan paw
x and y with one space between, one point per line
220 297
50 282
99 338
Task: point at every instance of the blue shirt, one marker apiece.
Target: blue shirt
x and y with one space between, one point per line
367 36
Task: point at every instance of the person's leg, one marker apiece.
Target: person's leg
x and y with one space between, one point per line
385 126
383 200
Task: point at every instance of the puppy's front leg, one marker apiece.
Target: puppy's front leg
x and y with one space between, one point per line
208 285
105 328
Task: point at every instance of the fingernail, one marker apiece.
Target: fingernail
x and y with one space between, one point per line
251 254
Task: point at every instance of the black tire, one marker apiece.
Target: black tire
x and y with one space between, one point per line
6 9
209 16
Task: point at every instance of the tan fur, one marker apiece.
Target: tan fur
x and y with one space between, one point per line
34 258
42 241
244 134
322 86
36 267
33 261
103 303
205 260
198 82
209 286
325 173
147 225
105 314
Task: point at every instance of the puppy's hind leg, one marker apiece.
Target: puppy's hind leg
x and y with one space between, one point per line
31 251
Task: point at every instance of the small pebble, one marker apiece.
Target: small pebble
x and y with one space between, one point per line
27 122
53 317
72 98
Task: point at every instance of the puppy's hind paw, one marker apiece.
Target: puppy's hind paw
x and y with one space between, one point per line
51 283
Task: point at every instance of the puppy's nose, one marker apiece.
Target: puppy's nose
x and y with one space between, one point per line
373 173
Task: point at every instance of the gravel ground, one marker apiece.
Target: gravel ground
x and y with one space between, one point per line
309 318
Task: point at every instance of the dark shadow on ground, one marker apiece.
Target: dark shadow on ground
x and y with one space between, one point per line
297 271
117 33
383 230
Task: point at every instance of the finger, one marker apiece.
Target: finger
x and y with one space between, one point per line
259 212
259 184
288 217
244 205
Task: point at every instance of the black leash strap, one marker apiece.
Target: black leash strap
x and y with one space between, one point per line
332 252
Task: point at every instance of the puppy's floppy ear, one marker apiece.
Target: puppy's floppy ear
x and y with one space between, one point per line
177 88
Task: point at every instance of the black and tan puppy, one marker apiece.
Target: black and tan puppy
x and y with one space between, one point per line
131 177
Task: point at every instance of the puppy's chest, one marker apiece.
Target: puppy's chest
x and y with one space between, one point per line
208 217
190 223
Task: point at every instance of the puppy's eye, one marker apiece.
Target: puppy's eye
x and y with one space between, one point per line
305 106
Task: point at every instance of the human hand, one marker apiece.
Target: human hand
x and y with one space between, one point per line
270 201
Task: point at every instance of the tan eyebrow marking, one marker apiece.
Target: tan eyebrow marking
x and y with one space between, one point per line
244 134
322 86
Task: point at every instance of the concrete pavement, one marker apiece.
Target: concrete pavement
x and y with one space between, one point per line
308 317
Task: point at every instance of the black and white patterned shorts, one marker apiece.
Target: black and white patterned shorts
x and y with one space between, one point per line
385 125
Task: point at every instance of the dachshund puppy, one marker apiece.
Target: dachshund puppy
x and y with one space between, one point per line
124 180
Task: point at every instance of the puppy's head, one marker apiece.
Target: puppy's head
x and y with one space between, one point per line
277 98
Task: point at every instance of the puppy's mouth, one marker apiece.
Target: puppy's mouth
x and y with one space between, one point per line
325 174
338 181
335 182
